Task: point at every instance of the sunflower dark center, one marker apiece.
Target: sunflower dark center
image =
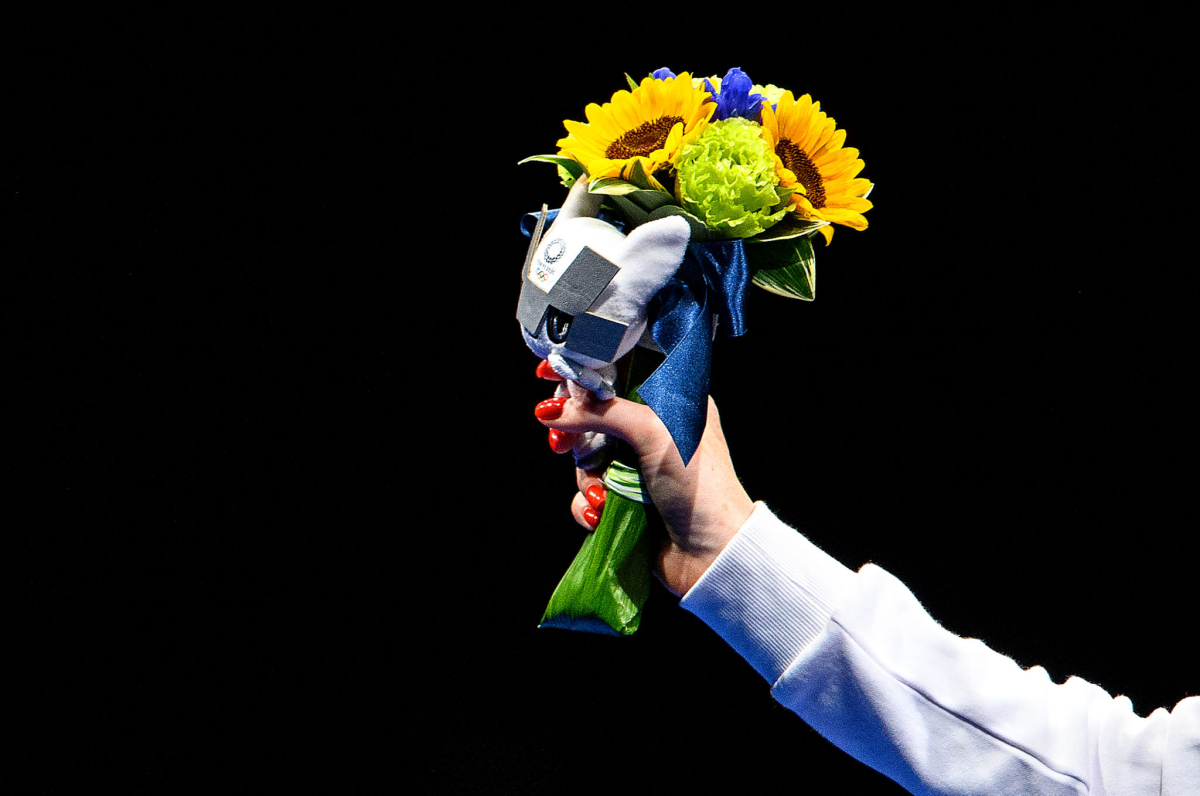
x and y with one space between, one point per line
797 162
643 139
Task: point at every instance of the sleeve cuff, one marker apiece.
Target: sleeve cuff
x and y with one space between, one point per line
769 593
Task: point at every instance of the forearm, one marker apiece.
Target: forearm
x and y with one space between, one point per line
859 659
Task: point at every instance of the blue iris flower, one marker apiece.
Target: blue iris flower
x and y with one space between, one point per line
734 98
662 74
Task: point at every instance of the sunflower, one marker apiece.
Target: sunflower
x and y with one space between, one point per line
647 125
809 153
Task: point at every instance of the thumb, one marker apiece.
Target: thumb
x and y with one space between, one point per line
632 422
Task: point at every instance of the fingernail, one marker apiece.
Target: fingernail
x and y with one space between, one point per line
596 495
549 409
561 441
591 518
544 371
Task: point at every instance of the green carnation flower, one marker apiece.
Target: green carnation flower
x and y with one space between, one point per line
727 179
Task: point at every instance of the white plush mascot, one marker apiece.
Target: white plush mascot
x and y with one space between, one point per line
585 290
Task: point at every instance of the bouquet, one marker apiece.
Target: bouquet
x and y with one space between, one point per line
683 191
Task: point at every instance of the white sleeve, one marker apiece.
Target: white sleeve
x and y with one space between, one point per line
859 659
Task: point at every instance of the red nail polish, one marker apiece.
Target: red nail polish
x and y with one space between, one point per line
561 441
591 518
544 371
549 409
596 495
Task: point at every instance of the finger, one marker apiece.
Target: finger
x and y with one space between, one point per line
544 371
584 514
562 441
592 487
635 423
588 478
596 495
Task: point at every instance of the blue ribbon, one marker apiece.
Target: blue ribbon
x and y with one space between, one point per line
711 280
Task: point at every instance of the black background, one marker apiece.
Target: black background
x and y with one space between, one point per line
288 521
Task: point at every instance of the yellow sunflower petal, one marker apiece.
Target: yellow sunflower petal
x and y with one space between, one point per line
811 157
847 218
842 172
648 125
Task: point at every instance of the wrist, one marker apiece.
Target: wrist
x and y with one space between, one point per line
686 558
727 525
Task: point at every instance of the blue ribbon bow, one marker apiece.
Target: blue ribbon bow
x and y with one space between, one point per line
710 281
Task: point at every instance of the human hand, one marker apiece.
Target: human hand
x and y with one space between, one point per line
702 505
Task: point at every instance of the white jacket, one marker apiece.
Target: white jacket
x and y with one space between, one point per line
859 659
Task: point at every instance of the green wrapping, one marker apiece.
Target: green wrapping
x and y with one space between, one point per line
605 587
607 584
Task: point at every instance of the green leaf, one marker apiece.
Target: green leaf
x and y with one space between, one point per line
789 227
652 200
632 83
630 209
700 232
573 167
611 186
636 203
639 177
785 267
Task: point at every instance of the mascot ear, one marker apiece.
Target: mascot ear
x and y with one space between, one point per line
580 203
650 256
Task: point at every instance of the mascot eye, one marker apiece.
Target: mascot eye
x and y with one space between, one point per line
557 325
